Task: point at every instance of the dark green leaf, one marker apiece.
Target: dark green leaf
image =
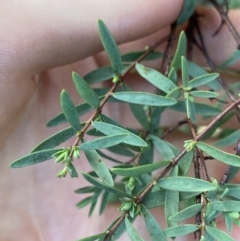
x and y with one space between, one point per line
187 213
34 158
218 234
133 234
156 78
187 10
191 112
109 129
181 230
185 74
133 56
104 202
202 80
185 184
154 230
94 200
69 110
86 190
185 163
110 47
180 51
72 170
229 140
163 148
139 170
226 206
104 186
55 139
102 74
108 157
85 91
99 166
142 98
103 142
217 154
204 94
83 203
94 237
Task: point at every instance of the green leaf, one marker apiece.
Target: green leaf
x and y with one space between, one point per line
191 112
226 206
185 74
83 203
89 189
202 80
109 129
85 91
156 78
94 200
217 154
181 230
133 234
139 170
72 171
69 110
121 150
163 148
102 74
103 142
154 230
231 60
185 184
187 10
228 222
218 234
187 213
173 75
175 93
185 163
229 140
34 158
104 202
154 199
104 186
142 98
180 51
99 166
108 157
94 237
133 56
55 139
110 47
204 94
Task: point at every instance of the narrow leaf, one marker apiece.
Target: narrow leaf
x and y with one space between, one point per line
55 139
185 74
181 230
185 163
99 166
226 206
139 170
232 59
72 171
110 47
218 234
70 111
121 150
156 78
187 213
94 237
217 154
229 140
204 94
154 199
185 184
109 129
202 80
154 230
133 56
104 202
86 190
187 10
103 142
83 203
228 222
142 98
34 158
104 186
191 113
85 91
133 234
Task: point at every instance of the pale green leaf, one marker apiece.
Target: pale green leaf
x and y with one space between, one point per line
104 202
204 94
156 78
232 59
85 91
230 139
88 189
103 142
202 80
154 230
72 170
191 112
226 206
218 234
154 199
34 158
185 184
109 129
185 74
69 110
143 98
173 75
133 56
139 170
228 222
181 230
217 154
121 150
94 237
55 139
83 203
132 232
175 93
110 47
185 163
